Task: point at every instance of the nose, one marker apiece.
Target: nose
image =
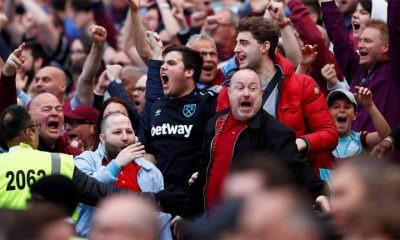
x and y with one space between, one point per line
361 44
124 136
236 49
246 92
207 57
163 66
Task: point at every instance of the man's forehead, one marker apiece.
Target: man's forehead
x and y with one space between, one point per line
173 55
45 99
115 120
245 35
203 45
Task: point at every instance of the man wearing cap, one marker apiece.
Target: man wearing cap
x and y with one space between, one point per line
343 108
81 126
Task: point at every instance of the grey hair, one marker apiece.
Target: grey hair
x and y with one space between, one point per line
198 37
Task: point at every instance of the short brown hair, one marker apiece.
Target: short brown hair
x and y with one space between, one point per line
381 26
262 30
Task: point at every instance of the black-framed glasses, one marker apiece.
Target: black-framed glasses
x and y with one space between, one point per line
34 127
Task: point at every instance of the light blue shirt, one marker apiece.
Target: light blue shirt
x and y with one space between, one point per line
347 147
149 178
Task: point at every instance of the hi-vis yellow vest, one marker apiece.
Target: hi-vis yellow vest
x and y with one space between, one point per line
23 166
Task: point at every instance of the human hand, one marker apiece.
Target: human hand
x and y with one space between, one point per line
210 25
197 18
113 71
323 202
329 73
102 84
177 11
301 144
275 9
134 4
176 203
364 96
98 35
308 55
193 178
259 6
14 61
155 43
177 225
385 146
130 153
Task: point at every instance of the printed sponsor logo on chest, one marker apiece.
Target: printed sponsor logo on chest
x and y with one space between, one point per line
169 129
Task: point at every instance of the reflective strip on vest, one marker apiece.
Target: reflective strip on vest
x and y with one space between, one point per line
55 163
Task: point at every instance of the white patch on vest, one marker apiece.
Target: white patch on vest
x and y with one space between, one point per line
316 90
167 129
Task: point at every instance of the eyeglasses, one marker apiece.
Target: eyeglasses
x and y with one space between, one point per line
33 127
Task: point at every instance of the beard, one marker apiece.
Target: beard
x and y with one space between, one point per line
111 150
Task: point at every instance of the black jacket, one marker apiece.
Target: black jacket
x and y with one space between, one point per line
264 134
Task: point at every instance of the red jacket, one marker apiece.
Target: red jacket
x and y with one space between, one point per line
302 108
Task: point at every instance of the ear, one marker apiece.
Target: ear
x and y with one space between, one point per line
385 48
63 86
92 129
265 47
29 134
355 115
189 73
102 137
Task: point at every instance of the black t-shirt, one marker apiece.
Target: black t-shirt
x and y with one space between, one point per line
177 131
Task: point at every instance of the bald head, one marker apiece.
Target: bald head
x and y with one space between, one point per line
46 110
245 94
125 217
50 80
105 123
245 73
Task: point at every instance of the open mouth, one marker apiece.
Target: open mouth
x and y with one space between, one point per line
245 104
207 68
241 57
362 53
164 78
136 103
356 26
53 125
341 119
72 136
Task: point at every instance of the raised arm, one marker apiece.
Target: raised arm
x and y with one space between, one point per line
84 89
311 35
346 56
43 20
153 88
364 97
139 38
168 18
290 44
8 90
